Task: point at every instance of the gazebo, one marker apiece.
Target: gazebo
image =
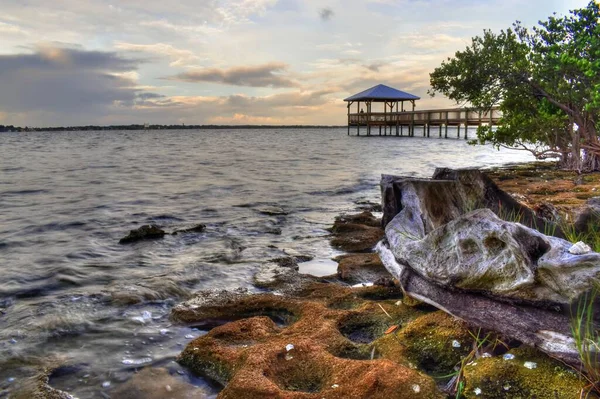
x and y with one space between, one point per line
390 98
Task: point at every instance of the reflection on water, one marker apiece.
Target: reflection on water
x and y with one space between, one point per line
69 293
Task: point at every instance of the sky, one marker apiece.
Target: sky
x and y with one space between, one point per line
103 62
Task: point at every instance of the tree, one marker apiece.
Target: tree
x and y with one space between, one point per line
546 82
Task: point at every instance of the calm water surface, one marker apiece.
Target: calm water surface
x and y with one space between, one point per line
71 295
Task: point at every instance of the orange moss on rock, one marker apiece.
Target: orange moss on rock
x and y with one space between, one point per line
330 354
540 182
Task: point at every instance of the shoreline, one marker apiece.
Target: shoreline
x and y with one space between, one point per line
373 325
378 323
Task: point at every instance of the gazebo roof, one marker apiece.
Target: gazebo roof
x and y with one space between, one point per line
382 93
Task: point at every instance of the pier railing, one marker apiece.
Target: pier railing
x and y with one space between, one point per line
455 116
437 117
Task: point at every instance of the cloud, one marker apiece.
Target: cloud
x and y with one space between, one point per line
326 13
178 56
57 82
266 75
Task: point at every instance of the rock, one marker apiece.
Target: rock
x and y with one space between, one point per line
496 378
547 211
360 268
588 217
580 248
331 328
38 388
272 211
369 206
356 233
146 232
364 218
429 343
151 288
157 383
199 228
274 276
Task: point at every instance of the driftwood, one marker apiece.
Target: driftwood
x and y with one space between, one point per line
479 268
548 330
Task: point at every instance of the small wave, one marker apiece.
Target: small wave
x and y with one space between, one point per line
165 218
13 169
26 192
363 186
53 226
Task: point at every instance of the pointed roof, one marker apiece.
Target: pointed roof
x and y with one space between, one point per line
382 93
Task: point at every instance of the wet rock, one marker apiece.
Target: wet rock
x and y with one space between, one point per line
149 289
356 233
199 228
38 388
361 268
218 307
312 356
497 378
146 232
364 218
369 206
272 211
274 276
157 383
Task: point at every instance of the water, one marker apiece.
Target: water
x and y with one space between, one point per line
71 295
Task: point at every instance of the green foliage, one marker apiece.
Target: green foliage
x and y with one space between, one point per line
546 82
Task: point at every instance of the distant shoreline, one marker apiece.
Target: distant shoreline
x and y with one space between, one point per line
7 129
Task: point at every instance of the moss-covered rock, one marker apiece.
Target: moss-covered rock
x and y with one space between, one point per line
530 374
356 233
360 268
325 352
435 342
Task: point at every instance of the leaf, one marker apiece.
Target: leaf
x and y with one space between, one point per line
391 329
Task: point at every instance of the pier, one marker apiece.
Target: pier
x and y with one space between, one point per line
396 121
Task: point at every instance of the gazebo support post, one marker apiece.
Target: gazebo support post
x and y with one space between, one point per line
412 119
358 121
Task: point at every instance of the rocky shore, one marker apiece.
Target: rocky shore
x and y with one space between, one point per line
456 291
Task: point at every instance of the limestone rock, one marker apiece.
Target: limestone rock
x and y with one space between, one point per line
146 232
589 216
199 228
272 210
157 383
361 268
356 233
312 356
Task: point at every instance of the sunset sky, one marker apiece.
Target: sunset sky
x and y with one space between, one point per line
73 62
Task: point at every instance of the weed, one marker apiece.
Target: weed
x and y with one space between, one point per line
456 385
587 339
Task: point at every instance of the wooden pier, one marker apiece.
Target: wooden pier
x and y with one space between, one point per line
431 121
394 119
